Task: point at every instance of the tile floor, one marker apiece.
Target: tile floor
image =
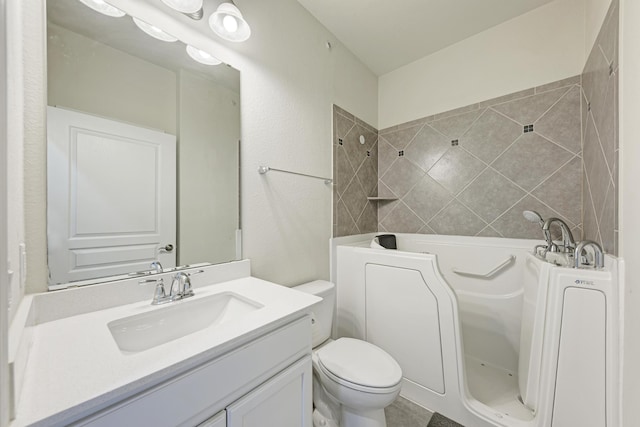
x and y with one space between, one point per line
403 413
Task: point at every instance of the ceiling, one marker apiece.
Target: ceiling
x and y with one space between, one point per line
386 35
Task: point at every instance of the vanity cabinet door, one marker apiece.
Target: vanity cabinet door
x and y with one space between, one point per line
283 401
218 420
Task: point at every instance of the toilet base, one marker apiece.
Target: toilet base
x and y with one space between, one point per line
350 417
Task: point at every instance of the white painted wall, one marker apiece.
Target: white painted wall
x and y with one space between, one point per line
594 13
629 204
208 160
34 96
91 77
4 283
542 46
15 157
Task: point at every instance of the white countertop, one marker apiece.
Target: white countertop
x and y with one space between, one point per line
74 366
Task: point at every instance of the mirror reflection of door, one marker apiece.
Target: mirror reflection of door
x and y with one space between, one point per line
111 196
107 67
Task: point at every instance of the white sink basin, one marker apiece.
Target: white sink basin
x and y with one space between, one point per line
144 331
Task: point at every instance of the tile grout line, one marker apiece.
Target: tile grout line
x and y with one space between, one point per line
604 156
553 105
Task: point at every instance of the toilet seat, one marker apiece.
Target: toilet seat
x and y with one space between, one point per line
359 365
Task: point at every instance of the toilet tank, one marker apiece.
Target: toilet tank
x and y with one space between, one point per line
322 312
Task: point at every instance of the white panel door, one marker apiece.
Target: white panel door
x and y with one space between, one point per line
283 401
111 196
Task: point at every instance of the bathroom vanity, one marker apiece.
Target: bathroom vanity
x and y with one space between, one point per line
242 358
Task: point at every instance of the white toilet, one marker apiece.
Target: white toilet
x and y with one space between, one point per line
353 380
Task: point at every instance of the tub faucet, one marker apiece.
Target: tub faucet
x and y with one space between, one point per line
567 238
597 250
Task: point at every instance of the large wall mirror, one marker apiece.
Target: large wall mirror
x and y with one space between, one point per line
142 151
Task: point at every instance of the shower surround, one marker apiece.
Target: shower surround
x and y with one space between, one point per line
473 170
600 136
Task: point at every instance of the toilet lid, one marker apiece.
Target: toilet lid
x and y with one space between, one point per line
360 362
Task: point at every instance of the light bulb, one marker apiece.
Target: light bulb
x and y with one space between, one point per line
154 31
227 22
104 8
202 57
230 23
184 6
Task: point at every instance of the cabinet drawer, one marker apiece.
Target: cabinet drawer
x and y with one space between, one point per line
192 397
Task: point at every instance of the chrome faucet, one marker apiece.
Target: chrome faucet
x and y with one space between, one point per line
156 267
568 243
597 251
182 284
180 288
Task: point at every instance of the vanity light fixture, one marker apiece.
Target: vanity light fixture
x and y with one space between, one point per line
201 56
154 31
227 22
184 6
104 8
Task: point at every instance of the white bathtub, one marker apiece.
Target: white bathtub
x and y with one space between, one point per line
457 335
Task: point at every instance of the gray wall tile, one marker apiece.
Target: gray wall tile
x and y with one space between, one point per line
457 219
402 220
490 135
575 80
427 147
455 169
402 176
456 126
355 174
531 160
527 110
490 195
561 123
399 139
563 191
427 198
482 186
512 223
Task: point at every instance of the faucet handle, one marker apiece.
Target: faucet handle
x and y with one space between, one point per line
145 281
195 272
598 254
160 293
